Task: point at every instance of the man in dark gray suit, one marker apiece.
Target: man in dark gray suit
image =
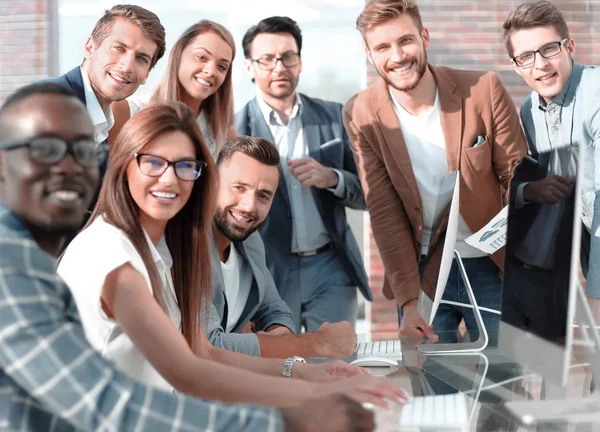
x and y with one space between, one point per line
243 288
310 249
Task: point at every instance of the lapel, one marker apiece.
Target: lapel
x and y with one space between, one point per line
451 116
394 139
569 103
259 128
311 129
218 273
255 296
76 82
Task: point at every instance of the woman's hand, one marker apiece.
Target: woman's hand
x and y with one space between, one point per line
365 388
326 372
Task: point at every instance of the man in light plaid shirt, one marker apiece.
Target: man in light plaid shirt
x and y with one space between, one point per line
50 377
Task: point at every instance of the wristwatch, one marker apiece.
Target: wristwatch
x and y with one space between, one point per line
289 363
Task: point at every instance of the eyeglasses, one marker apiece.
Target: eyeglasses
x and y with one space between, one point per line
547 51
155 166
50 150
270 62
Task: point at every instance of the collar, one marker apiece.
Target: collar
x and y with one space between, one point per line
400 109
100 118
557 100
270 115
160 253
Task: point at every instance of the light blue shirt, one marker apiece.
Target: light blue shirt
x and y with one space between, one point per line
309 231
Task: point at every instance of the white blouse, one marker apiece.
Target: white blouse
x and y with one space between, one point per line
88 259
139 102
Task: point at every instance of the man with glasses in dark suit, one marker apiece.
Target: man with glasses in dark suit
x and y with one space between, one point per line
310 249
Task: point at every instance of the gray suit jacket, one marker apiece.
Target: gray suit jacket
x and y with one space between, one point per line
264 306
581 126
322 123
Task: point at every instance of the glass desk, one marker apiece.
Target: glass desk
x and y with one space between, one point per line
488 379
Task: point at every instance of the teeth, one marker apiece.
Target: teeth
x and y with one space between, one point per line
204 83
66 195
119 79
240 218
403 68
167 195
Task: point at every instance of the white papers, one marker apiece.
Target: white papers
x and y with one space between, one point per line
448 251
491 237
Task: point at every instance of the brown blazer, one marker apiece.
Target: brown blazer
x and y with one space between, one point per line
472 103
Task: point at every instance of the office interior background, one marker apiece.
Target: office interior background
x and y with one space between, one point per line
40 38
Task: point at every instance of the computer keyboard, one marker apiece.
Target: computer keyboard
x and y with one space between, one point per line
390 349
439 413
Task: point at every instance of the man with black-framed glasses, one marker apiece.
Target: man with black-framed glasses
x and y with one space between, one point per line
562 110
311 252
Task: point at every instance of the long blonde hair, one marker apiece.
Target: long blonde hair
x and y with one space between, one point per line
188 233
218 106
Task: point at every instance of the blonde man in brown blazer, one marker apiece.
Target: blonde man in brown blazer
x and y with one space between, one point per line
409 131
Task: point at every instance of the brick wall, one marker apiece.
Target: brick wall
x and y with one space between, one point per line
468 34
24 47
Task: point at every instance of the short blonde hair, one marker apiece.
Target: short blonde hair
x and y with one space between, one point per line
377 12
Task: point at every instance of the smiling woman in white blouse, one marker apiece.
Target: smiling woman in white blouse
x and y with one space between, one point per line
145 312
198 74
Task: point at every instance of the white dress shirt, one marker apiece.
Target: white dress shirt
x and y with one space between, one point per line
103 120
426 146
309 232
89 258
237 279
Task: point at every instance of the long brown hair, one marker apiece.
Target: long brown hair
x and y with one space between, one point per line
187 233
218 106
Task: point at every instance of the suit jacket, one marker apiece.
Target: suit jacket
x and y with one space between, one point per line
264 306
472 104
581 126
74 80
39 322
322 123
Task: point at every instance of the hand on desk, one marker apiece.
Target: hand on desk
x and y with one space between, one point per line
336 339
413 323
365 388
335 413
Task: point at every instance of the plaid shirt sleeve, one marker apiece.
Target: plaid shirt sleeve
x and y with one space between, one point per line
51 378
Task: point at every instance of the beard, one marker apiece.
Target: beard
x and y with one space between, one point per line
231 231
406 86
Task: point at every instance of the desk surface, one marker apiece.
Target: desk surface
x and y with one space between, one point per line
488 379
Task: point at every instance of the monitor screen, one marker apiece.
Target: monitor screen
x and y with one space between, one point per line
542 252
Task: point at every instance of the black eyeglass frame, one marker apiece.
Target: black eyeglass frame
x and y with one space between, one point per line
201 165
560 44
275 60
68 148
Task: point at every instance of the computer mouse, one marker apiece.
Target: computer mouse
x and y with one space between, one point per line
374 362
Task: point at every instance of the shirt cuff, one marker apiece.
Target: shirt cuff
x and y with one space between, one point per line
339 190
519 200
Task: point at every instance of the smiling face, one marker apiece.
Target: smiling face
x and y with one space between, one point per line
161 198
397 50
204 64
48 198
280 82
548 76
246 191
118 65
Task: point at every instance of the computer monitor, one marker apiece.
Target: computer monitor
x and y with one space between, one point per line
542 265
